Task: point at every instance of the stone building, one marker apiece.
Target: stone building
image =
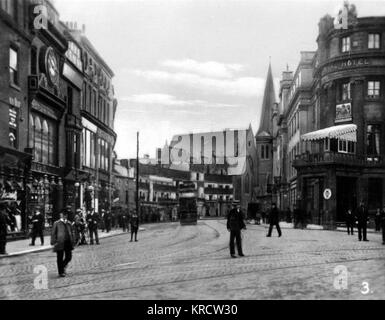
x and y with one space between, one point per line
41 114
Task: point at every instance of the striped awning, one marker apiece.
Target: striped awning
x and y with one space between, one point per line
347 132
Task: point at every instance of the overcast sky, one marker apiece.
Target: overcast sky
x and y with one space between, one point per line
195 66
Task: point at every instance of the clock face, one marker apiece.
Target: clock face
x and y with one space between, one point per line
52 66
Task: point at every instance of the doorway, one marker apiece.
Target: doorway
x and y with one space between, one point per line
346 196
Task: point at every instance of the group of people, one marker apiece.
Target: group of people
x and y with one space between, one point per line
360 217
67 234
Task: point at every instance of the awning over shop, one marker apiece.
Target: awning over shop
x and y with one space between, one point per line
347 132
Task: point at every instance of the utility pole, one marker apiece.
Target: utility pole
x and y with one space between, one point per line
137 174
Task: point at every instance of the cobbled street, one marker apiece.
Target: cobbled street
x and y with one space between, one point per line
193 262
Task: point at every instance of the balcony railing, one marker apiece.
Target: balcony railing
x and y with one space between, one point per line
333 158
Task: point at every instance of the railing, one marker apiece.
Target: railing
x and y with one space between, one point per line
324 158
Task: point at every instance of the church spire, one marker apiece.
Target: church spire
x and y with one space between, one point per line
265 124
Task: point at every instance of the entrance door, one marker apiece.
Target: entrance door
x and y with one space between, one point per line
346 196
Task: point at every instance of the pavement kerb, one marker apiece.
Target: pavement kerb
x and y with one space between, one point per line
37 250
266 226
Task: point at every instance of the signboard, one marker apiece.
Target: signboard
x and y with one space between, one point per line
327 194
343 112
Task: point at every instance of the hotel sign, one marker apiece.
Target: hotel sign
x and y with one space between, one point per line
343 112
346 64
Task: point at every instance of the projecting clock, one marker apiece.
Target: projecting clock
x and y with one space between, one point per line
52 66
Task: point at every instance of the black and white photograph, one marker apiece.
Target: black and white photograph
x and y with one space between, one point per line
192 150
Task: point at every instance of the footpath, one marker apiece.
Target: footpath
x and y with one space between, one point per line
22 247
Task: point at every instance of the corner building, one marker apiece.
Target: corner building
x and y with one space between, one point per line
345 151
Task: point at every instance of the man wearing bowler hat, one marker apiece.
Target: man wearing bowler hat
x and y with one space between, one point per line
235 224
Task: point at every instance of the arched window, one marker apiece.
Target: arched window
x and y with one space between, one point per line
214 149
31 131
44 144
38 139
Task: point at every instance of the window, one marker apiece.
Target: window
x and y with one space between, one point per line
374 41
13 113
327 144
373 89
373 139
70 99
14 66
43 139
345 91
9 7
345 44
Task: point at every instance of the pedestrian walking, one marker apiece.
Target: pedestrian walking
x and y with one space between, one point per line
62 238
383 224
349 221
4 222
377 219
274 220
134 223
92 221
362 220
235 223
37 227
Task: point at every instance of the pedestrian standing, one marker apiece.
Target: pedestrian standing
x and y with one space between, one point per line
62 238
362 220
92 221
377 219
134 223
235 224
350 221
37 227
274 220
125 222
107 220
383 224
4 221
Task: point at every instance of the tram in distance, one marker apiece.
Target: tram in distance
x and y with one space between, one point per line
188 196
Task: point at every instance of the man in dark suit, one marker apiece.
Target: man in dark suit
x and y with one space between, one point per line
134 223
37 227
274 220
235 224
62 238
4 222
92 221
362 219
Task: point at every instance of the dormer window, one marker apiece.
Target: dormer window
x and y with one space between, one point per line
345 44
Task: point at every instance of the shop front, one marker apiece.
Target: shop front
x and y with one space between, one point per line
14 166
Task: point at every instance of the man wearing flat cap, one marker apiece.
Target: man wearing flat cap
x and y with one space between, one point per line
235 224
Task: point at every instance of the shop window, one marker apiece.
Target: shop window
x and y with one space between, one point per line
373 141
374 41
14 66
374 89
345 44
13 115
